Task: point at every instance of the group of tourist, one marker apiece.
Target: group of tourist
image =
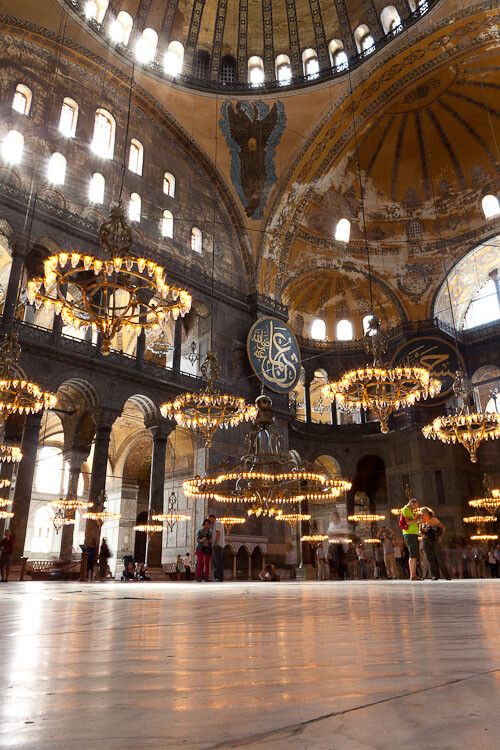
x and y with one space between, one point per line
210 548
421 554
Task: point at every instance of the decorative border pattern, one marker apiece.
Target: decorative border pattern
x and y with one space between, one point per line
194 30
319 33
293 36
267 19
220 23
242 40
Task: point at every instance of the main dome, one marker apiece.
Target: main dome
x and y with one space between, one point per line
245 44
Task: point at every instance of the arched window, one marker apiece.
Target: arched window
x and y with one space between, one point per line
491 206
227 69
49 470
196 240
135 156
12 147
121 28
68 118
146 46
334 46
344 330
56 171
174 57
484 307
390 18
318 330
255 70
341 61
103 142
283 70
343 230
201 64
167 224
366 322
96 188
363 38
96 9
310 63
169 184
22 99
134 207
414 230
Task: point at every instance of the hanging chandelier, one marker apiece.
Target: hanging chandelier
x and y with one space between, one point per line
379 388
229 521
149 528
61 518
116 291
467 427
4 514
100 515
208 409
10 454
70 504
491 503
314 539
293 519
18 396
4 483
265 477
4 501
365 518
172 516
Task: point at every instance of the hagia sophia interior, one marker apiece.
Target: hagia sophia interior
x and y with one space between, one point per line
323 170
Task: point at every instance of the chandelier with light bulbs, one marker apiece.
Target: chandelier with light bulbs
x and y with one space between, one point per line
150 527
208 409
172 516
266 477
18 396
378 388
490 504
314 539
229 521
100 515
293 519
10 454
115 291
467 427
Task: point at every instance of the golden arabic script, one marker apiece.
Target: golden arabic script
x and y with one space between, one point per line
274 350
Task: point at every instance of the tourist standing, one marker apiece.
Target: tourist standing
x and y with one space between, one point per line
218 540
179 567
291 559
6 552
492 563
387 535
187 567
398 556
104 555
322 564
496 555
352 561
480 556
432 533
361 553
92 549
408 523
203 551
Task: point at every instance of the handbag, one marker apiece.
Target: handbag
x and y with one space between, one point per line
403 523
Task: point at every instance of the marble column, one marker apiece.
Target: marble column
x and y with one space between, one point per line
307 399
11 295
103 419
12 435
140 350
249 567
176 362
333 412
160 433
234 566
75 460
24 482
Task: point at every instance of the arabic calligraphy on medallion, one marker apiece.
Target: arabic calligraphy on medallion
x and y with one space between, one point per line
438 356
274 354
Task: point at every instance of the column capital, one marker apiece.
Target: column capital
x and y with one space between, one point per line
103 418
161 430
19 245
75 458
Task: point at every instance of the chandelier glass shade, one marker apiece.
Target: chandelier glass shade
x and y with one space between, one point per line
478 520
484 537
10 454
70 504
467 427
490 504
150 527
365 518
314 539
208 409
378 388
293 519
4 483
265 477
229 521
171 518
115 291
4 514
101 516
18 396
4 501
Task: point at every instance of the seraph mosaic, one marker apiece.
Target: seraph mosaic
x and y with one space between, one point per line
252 131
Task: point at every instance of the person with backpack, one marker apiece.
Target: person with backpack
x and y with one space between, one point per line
408 523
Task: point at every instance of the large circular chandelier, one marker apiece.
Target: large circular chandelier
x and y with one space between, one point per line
10 454
18 396
118 290
467 427
150 527
265 477
229 521
172 516
490 504
100 514
293 519
208 409
314 539
378 388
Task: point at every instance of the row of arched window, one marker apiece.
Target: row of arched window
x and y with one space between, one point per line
103 139
146 47
344 329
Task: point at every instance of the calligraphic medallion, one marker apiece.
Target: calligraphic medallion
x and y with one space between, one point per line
438 356
274 354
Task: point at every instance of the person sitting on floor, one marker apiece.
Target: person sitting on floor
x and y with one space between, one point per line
268 573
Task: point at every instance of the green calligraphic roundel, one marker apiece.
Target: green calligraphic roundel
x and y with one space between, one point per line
274 354
435 354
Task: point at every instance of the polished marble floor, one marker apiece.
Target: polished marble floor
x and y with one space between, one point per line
250 665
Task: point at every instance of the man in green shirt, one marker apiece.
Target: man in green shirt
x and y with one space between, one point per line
410 536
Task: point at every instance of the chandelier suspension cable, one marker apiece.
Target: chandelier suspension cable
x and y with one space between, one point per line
127 132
